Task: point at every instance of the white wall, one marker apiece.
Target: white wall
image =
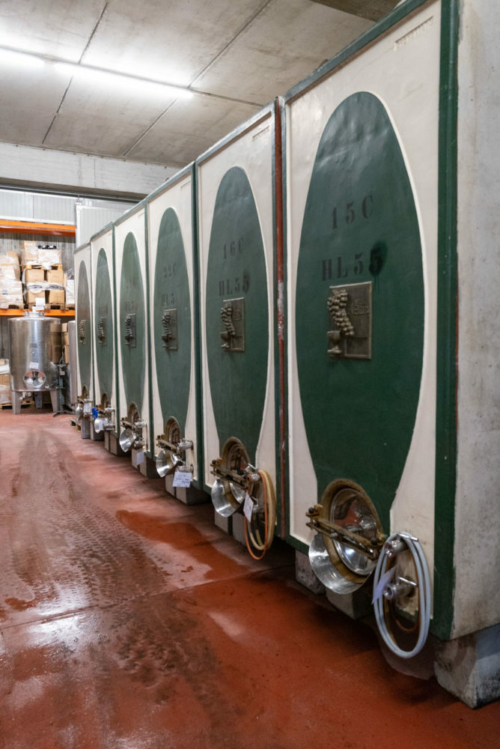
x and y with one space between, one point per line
62 170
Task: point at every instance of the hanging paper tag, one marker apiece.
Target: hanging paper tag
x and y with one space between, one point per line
40 302
182 479
139 457
382 584
248 507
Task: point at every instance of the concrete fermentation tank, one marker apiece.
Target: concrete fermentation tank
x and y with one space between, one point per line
235 183
105 412
85 368
133 338
375 416
35 356
176 407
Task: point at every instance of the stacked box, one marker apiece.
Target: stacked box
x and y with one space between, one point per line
65 341
9 266
4 381
34 279
55 277
46 284
32 255
29 255
69 285
11 291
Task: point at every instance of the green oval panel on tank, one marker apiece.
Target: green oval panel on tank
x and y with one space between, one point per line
360 227
236 278
103 326
132 328
172 321
84 330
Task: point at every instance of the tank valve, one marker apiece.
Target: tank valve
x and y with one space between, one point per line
172 456
104 420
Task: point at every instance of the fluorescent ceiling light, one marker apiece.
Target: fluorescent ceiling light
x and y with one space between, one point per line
98 76
127 82
16 59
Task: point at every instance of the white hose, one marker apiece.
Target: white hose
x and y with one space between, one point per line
424 594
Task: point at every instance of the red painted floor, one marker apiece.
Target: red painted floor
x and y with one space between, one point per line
128 621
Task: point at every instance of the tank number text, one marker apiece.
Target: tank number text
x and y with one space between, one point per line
232 249
351 212
339 267
235 285
169 270
168 299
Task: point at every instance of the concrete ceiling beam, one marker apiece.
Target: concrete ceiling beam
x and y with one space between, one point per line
371 9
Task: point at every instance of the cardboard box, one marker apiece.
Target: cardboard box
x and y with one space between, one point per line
11 293
9 266
55 276
66 353
56 297
65 339
5 379
31 297
29 254
64 327
9 272
34 275
5 395
70 291
49 257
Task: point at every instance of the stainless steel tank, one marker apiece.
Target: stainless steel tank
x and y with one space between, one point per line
35 353
73 376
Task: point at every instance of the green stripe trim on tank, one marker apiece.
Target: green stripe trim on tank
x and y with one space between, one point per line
200 446
447 380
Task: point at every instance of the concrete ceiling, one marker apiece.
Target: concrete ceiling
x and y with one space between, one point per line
234 55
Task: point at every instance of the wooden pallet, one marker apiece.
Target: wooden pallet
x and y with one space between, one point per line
25 404
14 306
37 266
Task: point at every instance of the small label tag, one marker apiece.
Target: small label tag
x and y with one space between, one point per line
248 507
139 458
40 302
182 479
33 365
382 583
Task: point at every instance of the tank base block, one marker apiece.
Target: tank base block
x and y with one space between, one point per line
223 523
355 605
305 576
95 436
85 425
469 666
190 496
238 530
112 444
146 466
169 484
